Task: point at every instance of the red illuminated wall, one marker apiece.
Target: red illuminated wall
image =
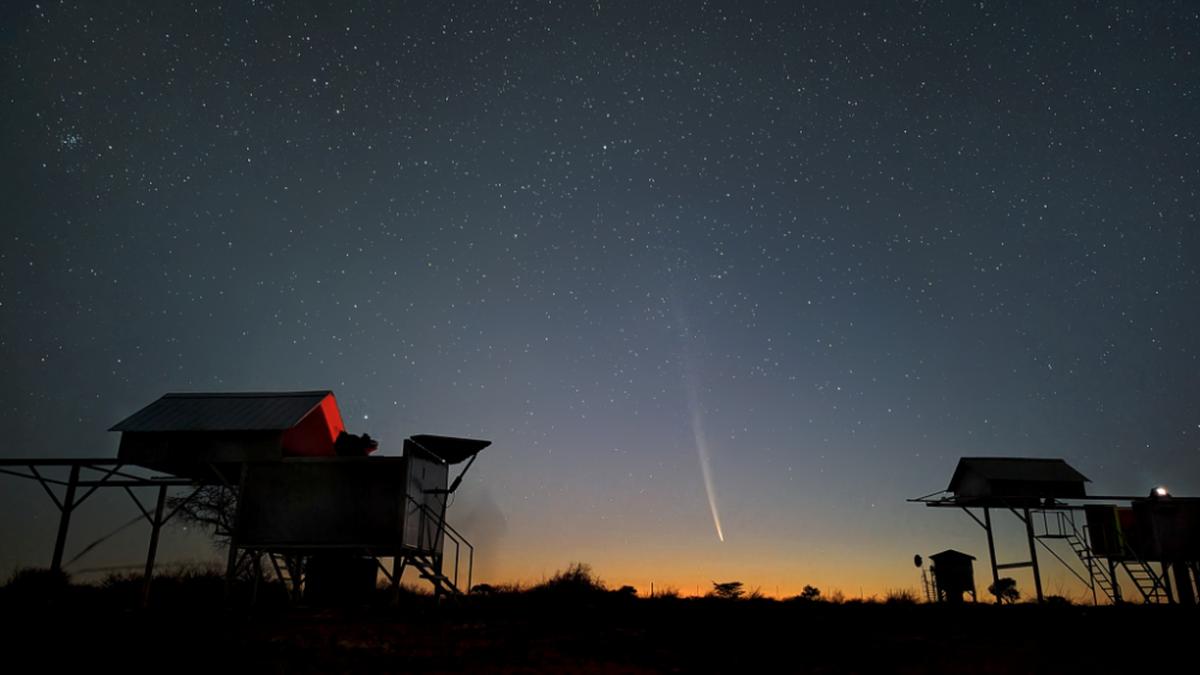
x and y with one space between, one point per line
316 433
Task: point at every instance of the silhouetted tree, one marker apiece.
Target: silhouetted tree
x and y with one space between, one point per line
213 508
810 593
1005 590
730 590
210 507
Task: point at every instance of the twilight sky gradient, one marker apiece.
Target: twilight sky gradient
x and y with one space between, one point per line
841 245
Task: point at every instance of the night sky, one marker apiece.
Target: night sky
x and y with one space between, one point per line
833 247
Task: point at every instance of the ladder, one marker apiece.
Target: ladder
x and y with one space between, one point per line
1148 583
290 572
1096 572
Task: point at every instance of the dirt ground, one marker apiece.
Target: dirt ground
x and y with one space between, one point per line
605 633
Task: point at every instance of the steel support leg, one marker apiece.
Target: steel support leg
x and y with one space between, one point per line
987 525
1037 574
64 519
152 553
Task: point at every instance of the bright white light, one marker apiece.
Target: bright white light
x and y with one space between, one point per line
1160 491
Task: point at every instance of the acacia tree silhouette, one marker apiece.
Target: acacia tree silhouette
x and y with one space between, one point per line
730 590
1005 590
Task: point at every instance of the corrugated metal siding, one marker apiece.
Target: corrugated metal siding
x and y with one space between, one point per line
273 411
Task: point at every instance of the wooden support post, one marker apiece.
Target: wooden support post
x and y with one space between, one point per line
397 572
64 519
987 526
1183 584
1112 576
152 553
230 569
231 564
1037 575
257 561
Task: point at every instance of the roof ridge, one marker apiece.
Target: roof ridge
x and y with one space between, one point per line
1024 459
224 411
245 394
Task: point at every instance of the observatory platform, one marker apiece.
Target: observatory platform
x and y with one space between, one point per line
1107 535
308 494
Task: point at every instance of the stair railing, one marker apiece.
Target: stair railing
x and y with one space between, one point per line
460 542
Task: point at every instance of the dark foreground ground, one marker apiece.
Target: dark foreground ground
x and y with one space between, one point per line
596 632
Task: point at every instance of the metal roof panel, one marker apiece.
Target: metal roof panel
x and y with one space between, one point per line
450 449
224 411
1025 469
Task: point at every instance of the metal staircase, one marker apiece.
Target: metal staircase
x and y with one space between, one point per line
1097 575
1148 583
430 564
429 568
1060 524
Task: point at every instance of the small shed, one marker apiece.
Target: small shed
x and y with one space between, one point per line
1014 481
186 433
953 575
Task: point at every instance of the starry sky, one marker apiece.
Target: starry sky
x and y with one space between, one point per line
831 247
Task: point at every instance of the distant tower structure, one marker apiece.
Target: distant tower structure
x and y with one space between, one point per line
1154 540
953 575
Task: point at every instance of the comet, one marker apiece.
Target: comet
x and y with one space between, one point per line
702 453
696 412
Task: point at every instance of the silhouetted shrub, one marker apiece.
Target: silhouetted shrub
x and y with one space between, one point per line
496 590
36 585
627 591
902 596
810 593
196 586
578 578
667 592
